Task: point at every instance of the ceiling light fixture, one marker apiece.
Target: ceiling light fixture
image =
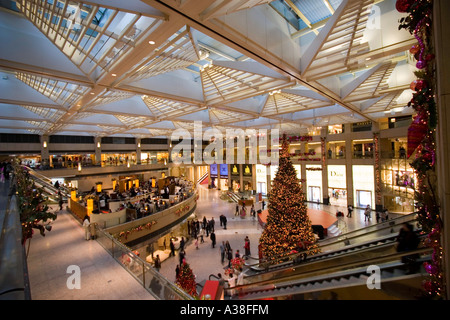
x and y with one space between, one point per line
151 42
274 91
114 75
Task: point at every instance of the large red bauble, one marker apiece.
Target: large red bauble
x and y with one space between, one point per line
416 133
403 5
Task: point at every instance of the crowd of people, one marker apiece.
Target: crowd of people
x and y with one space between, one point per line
380 216
143 200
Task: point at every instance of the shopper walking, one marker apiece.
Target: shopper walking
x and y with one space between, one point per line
367 213
350 211
157 263
172 249
224 222
222 252
247 247
213 239
229 257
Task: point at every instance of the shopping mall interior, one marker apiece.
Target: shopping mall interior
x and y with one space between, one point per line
143 142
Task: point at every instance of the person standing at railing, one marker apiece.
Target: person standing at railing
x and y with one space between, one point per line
407 240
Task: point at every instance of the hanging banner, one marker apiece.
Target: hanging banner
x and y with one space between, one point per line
223 170
213 170
247 170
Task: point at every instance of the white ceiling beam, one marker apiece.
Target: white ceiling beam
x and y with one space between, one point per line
314 47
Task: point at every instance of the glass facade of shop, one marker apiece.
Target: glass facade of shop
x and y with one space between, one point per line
58 161
363 186
337 185
314 183
363 149
118 159
336 150
398 183
155 157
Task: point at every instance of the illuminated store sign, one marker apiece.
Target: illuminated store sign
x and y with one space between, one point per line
337 176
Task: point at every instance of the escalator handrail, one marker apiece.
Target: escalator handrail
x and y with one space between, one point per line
379 226
328 273
47 182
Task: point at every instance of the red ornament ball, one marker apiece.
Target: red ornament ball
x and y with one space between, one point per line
421 64
403 5
429 57
418 85
414 49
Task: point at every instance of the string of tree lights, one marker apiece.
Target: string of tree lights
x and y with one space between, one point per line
186 279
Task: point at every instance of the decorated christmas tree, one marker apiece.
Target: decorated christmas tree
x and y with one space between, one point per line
288 227
186 279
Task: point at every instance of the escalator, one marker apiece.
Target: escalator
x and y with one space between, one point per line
289 271
350 281
369 240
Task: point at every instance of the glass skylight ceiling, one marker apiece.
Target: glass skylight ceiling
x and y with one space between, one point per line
140 69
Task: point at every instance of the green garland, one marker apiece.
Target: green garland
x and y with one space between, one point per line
32 204
421 137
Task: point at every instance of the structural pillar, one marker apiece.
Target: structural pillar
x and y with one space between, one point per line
98 150
441 29
45 154
349 167
138 151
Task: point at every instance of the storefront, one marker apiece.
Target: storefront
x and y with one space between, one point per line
71 160
336 150
261 179
235 177
337 185
363 186
154 157
314 183
30 160
363 149
247 177
223 170
398 183
118 159
213 174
